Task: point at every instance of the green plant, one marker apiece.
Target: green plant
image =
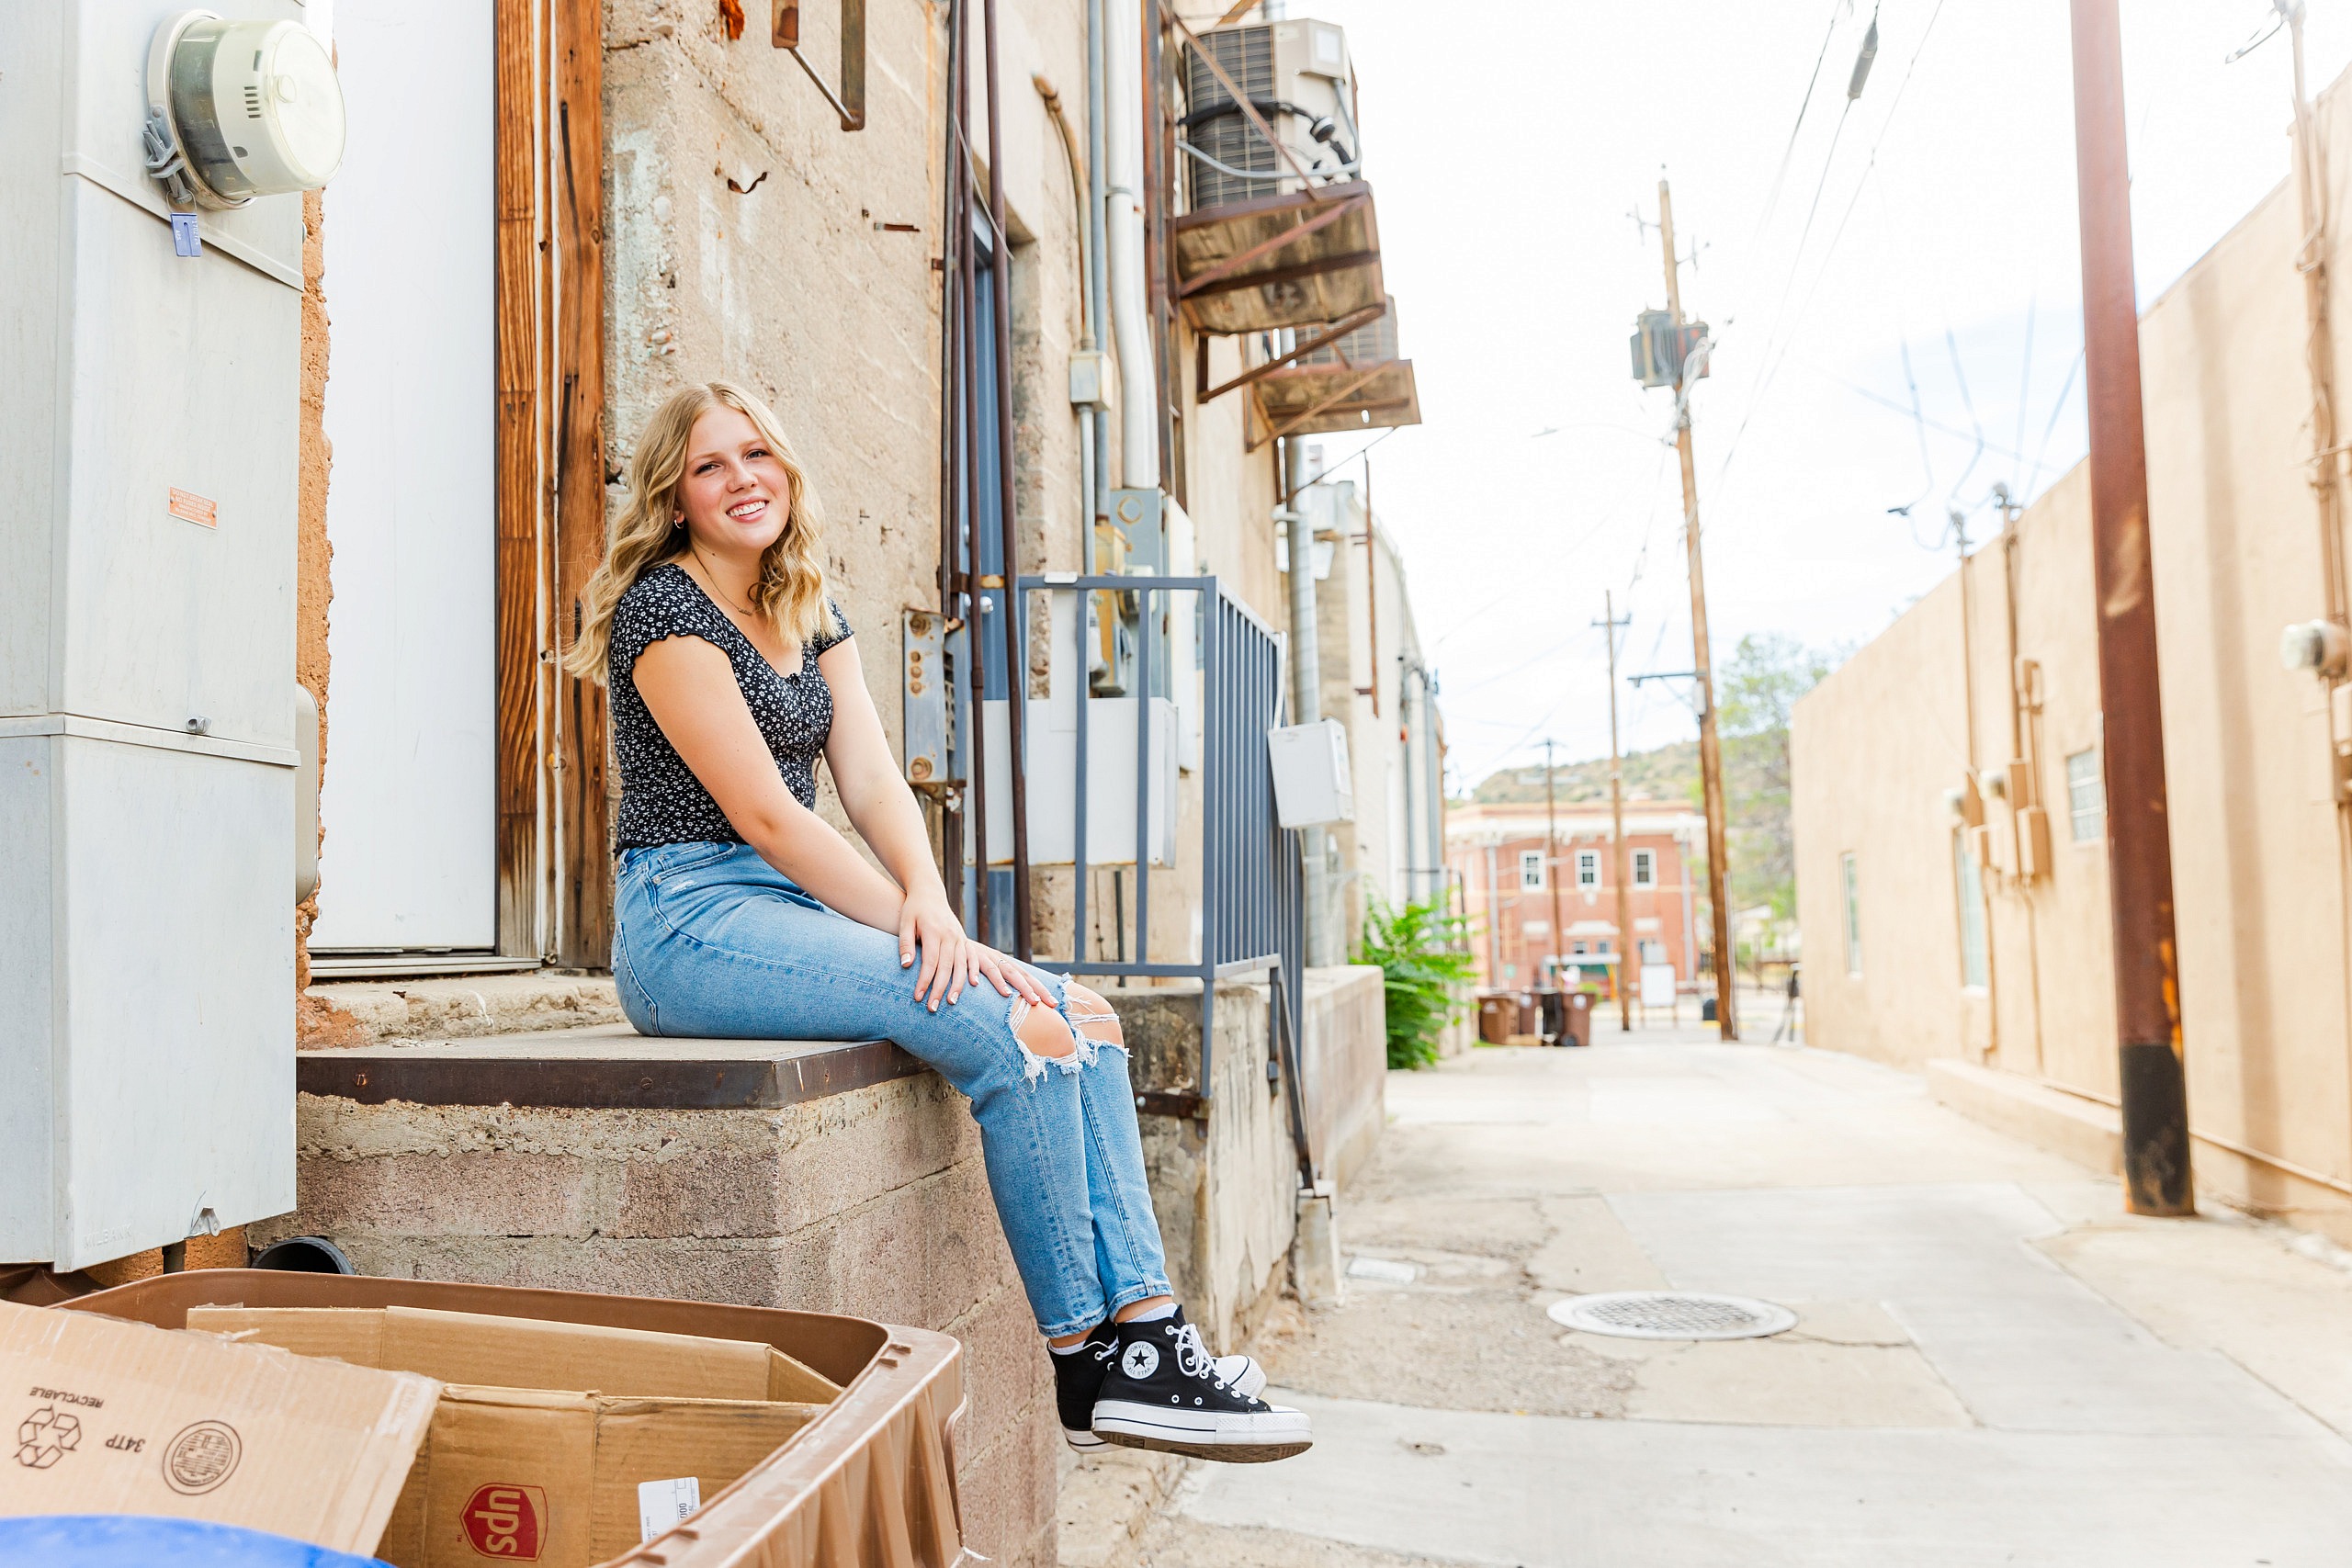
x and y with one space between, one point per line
1422 965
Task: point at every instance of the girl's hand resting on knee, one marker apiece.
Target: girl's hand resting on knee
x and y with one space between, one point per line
929 929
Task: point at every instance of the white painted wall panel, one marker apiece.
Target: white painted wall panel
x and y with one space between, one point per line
146 874
27 1019
408 799
183 374
177 965
147 1055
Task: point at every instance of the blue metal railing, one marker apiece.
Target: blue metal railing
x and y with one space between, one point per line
1252 881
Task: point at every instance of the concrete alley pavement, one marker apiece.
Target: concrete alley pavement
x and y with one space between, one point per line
1992 1362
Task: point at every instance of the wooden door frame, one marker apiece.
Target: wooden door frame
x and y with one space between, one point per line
553 858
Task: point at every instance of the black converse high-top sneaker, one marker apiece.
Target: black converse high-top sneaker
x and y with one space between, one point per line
1078 1382
1163 1391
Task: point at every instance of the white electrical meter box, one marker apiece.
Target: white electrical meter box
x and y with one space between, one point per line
1311 781
1051 743
148 426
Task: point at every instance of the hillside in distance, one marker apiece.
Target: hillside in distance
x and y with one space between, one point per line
1666 773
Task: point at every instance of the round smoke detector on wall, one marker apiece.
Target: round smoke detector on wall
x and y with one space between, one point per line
240 110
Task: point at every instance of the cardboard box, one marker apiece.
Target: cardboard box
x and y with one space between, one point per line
547 1430
526 1352
105 1417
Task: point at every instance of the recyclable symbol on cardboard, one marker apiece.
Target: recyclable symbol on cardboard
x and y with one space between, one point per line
46 1435
506 1521
202 1457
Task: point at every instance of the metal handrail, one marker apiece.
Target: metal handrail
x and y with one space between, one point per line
1252 902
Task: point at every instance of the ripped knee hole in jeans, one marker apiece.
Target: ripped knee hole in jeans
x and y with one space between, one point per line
1077 1008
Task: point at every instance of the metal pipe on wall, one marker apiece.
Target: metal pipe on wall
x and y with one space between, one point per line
953 236
967 467
1098 420
1016 660
1123 221
1306 674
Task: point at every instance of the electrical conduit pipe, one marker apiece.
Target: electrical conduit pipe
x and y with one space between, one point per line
1123 137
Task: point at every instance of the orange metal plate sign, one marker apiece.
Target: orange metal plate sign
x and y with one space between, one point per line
194 508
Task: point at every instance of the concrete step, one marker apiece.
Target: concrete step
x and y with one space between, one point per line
2081 1130
340 1013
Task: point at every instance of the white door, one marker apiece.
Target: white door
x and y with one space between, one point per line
407 798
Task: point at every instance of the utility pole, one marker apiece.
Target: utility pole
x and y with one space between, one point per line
1711 751
2156 1178
1552 864
1627 948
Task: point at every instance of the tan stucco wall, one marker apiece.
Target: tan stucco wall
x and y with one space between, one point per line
1873 751
2259 868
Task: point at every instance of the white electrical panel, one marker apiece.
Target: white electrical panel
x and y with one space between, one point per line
148 433
1312 784
1052 780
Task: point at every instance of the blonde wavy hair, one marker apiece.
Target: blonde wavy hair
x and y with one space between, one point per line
791 588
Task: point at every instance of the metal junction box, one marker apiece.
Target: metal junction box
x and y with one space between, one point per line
147 424
1312 784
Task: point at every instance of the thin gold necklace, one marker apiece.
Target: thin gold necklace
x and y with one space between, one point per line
745 609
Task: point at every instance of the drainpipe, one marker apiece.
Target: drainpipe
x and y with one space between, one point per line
1494 922
1408 720
1097 420
1123 104
1090 329
1306 675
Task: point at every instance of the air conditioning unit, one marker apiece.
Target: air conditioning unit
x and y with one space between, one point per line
1298 77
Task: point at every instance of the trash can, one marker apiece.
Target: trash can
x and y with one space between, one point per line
1578 1025
1530 1018
870 1480
1498 1016
1551 1009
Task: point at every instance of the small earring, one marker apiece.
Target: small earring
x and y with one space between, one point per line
678 522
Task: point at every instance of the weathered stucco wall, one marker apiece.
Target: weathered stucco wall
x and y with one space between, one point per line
1873 750
1224 1185
2260 869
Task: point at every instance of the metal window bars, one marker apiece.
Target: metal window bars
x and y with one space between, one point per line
1252 879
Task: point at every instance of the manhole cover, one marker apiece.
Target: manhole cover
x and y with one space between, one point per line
1672 1315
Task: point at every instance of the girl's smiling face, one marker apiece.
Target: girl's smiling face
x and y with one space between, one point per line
736 494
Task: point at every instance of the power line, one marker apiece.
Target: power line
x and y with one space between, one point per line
1969 403
2055 409
1887 403
1773 369
1772 201
2025 378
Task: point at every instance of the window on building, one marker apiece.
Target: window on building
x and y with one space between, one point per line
1646 868
1530 870
2085 796
1853 918
1588 868
1971 886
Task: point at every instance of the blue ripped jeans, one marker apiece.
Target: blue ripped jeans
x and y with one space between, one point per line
711 942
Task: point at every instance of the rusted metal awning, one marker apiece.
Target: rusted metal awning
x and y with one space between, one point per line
1297 259
1358 381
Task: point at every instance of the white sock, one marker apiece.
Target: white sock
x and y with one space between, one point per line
1066 1350
1165 1309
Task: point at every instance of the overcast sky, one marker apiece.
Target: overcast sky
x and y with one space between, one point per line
1509 143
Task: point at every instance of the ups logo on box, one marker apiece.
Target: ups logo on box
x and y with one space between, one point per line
507 1521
